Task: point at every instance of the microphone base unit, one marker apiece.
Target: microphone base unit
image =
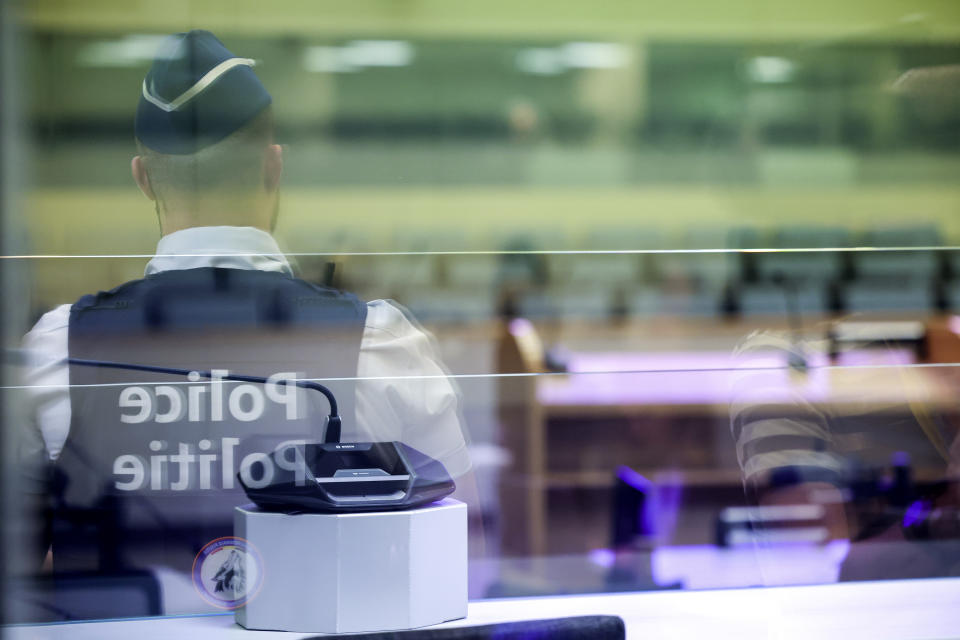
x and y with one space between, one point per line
349 477
353 572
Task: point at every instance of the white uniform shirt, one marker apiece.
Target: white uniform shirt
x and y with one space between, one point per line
402 392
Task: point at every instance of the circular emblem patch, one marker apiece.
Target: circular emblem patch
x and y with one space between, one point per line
228 572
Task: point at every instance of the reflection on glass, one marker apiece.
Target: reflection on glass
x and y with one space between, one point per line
676 304
154 406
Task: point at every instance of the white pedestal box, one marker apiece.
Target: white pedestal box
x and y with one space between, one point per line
347 573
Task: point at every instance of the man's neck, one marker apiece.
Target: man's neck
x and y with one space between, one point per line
173 220
168 227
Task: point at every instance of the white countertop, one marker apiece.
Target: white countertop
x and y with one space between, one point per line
875 610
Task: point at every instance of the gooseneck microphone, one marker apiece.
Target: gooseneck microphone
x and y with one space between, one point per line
797 359
327 476
333 424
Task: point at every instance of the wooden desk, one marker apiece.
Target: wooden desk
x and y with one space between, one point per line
917 609
680 402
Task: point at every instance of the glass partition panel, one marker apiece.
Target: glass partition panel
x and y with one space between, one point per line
675 300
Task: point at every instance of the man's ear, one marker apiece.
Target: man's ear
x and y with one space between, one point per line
273 166
141 178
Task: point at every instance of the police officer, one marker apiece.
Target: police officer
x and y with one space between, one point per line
145 464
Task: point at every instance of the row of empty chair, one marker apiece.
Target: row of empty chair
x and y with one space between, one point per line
459 306
629 272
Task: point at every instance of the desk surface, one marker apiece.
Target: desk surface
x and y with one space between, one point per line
709 381
875 610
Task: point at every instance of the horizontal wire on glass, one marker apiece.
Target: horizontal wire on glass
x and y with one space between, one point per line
467 376
486 252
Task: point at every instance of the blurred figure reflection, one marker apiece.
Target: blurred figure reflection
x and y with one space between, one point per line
136 470
874 444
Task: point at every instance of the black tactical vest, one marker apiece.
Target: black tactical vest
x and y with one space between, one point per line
148 474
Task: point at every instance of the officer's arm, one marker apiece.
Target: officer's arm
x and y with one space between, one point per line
409 395
43 420
405 393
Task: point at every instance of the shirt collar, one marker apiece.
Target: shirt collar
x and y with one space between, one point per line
223 247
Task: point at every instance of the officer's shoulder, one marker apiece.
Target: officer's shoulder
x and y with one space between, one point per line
309 292
54 320
98 298
319 289
390 317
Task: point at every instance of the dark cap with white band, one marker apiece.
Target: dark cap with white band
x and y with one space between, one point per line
196 94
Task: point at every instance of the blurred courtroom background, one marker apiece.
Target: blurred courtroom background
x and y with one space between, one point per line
418 125
632 177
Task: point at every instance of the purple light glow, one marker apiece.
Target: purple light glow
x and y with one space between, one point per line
634 479
646 518
900 459
602 557
916 513
520 326
954 324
